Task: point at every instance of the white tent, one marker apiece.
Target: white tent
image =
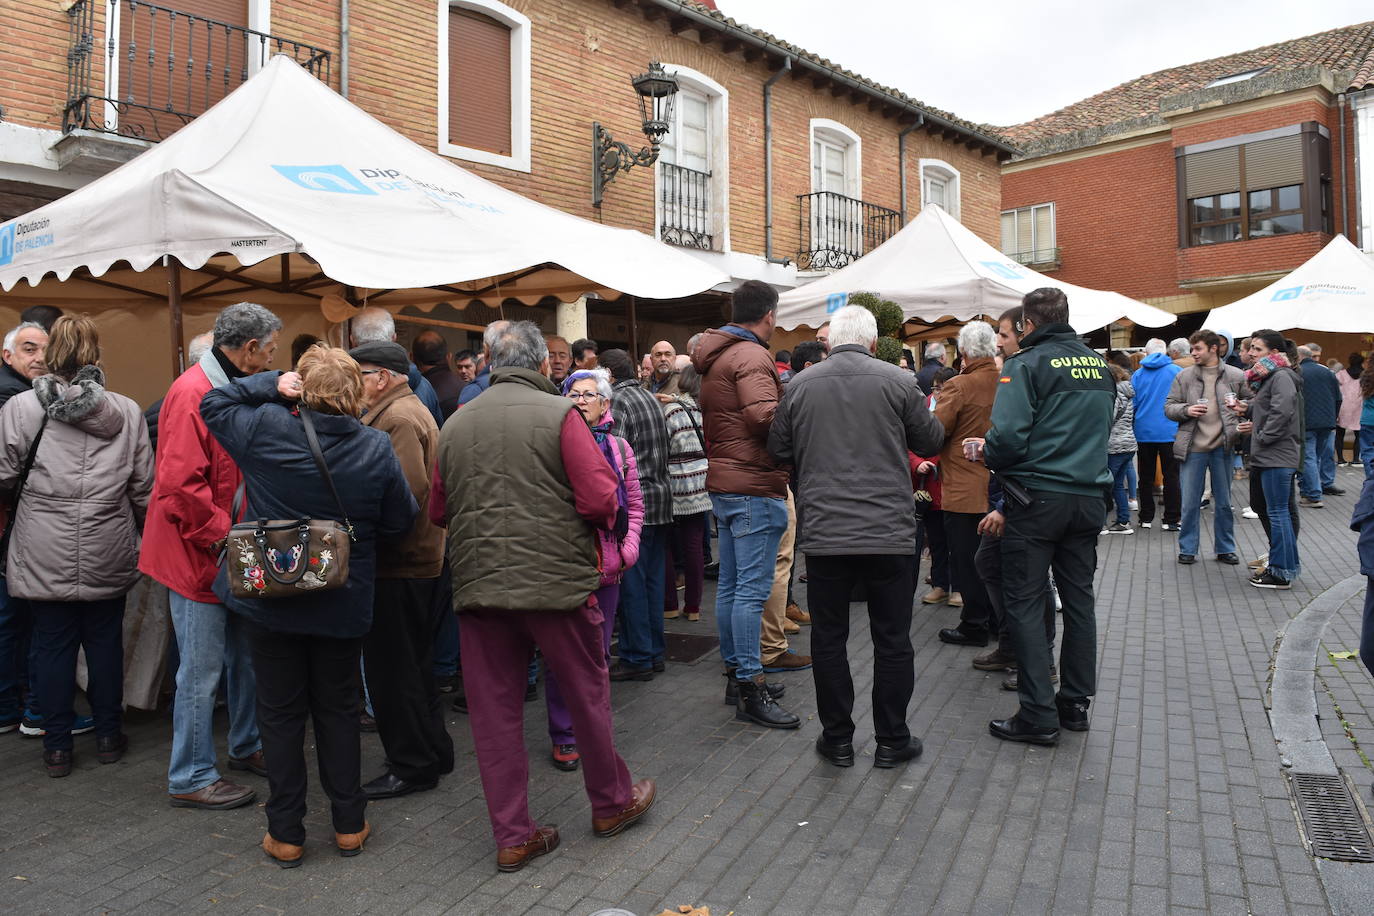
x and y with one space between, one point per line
1332 291
289 190
935 268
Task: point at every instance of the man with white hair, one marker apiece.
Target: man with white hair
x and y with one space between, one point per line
23 359
483 379
964 408
376 324
199 345
1180 351
856 525
935 361
1154 435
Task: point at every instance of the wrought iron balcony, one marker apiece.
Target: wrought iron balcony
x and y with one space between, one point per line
155 68
836 230
1046 258
684 207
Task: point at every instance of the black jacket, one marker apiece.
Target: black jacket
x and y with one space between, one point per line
11 383
267 441
1321 395
846 424
1053 415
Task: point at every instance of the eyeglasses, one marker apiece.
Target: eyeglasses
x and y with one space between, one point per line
583 395
372 371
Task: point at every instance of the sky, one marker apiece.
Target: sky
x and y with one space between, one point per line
1009 62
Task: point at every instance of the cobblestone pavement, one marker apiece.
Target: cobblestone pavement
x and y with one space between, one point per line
1174 801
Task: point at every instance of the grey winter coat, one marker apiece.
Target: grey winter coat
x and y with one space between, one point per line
1184 393
847 424
76 529
1277 411
1121 441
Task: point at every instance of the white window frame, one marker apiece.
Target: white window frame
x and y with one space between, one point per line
718 120
839 135
259 20
519 24
944 170
1029 210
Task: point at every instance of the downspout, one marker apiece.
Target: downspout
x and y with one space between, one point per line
768 162
901 157
1345 194
343 48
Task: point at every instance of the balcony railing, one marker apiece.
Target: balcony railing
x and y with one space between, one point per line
684 206
161 67
836 230
1047 258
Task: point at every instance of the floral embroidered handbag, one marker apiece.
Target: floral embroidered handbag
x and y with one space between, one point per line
281 558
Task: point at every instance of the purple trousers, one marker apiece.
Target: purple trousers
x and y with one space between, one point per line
496 650
560 720
684 543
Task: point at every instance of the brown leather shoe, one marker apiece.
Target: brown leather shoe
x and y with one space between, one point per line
350 844
790 628
797 615
285 854
641 800
514 858
787 661
216 796
935 596
254 763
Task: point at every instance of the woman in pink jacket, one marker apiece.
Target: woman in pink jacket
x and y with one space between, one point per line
618 549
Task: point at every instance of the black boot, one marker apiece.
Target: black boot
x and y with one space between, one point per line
732 689
757 706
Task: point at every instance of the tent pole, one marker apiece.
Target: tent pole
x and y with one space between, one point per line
174 306
634 333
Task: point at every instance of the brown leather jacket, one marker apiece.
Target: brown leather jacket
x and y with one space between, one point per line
415 439
964 407
740 391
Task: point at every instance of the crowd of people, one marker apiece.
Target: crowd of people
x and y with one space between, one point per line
349 540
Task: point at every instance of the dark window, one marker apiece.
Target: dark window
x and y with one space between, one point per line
1271 185
479 87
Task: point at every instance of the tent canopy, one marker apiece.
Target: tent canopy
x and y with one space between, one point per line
1332 291
936 269
286 189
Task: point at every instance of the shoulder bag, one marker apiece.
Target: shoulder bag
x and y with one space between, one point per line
18 491
281 558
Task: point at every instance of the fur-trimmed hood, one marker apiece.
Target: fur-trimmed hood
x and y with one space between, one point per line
81 402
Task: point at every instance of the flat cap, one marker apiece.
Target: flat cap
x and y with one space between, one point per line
384 353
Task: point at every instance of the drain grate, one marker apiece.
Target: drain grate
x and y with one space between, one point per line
1330 819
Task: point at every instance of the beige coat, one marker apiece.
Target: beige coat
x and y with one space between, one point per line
76 530
415 439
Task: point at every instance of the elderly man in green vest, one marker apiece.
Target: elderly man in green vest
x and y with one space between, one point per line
521 485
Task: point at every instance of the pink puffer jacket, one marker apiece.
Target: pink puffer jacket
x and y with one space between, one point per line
616 557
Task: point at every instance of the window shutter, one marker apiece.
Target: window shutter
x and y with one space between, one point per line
1273 163
1009 232
479 109
1044 229
1025 228
1213 172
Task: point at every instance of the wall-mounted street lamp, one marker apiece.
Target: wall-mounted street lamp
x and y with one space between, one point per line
656 90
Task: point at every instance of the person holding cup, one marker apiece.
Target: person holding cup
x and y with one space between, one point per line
1206 437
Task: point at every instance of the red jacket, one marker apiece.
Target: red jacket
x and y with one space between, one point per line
192 494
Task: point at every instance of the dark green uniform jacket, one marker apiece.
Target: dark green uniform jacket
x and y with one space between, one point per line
1052 415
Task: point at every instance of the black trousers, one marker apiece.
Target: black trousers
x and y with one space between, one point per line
316 677
891 585
940 573
1260 504
59 629
961 534
399 654
1146 455
1055 531
988 561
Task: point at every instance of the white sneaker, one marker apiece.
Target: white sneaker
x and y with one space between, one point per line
1134 504
1145 524
1247 512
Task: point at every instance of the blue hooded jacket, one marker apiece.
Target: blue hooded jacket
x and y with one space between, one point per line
1151 382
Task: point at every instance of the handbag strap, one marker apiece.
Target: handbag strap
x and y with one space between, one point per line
314 442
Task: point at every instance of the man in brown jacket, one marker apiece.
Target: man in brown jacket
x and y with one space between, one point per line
398 653
740 391
964 408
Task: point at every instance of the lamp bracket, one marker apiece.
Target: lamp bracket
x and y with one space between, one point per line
610 157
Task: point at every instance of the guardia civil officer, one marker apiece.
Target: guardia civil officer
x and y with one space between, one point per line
1048 445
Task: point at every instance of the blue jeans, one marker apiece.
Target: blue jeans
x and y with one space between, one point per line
1196 466
1283 543
211 639
1119 465
16 656
641 602
1318 462
750 529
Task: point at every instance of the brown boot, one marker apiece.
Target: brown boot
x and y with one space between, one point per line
935 596
285 854
797 615
790 628
350 844
788 661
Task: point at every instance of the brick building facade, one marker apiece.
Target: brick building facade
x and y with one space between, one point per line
1195 186
570 65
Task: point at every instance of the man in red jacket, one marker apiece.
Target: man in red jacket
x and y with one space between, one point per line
188 520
